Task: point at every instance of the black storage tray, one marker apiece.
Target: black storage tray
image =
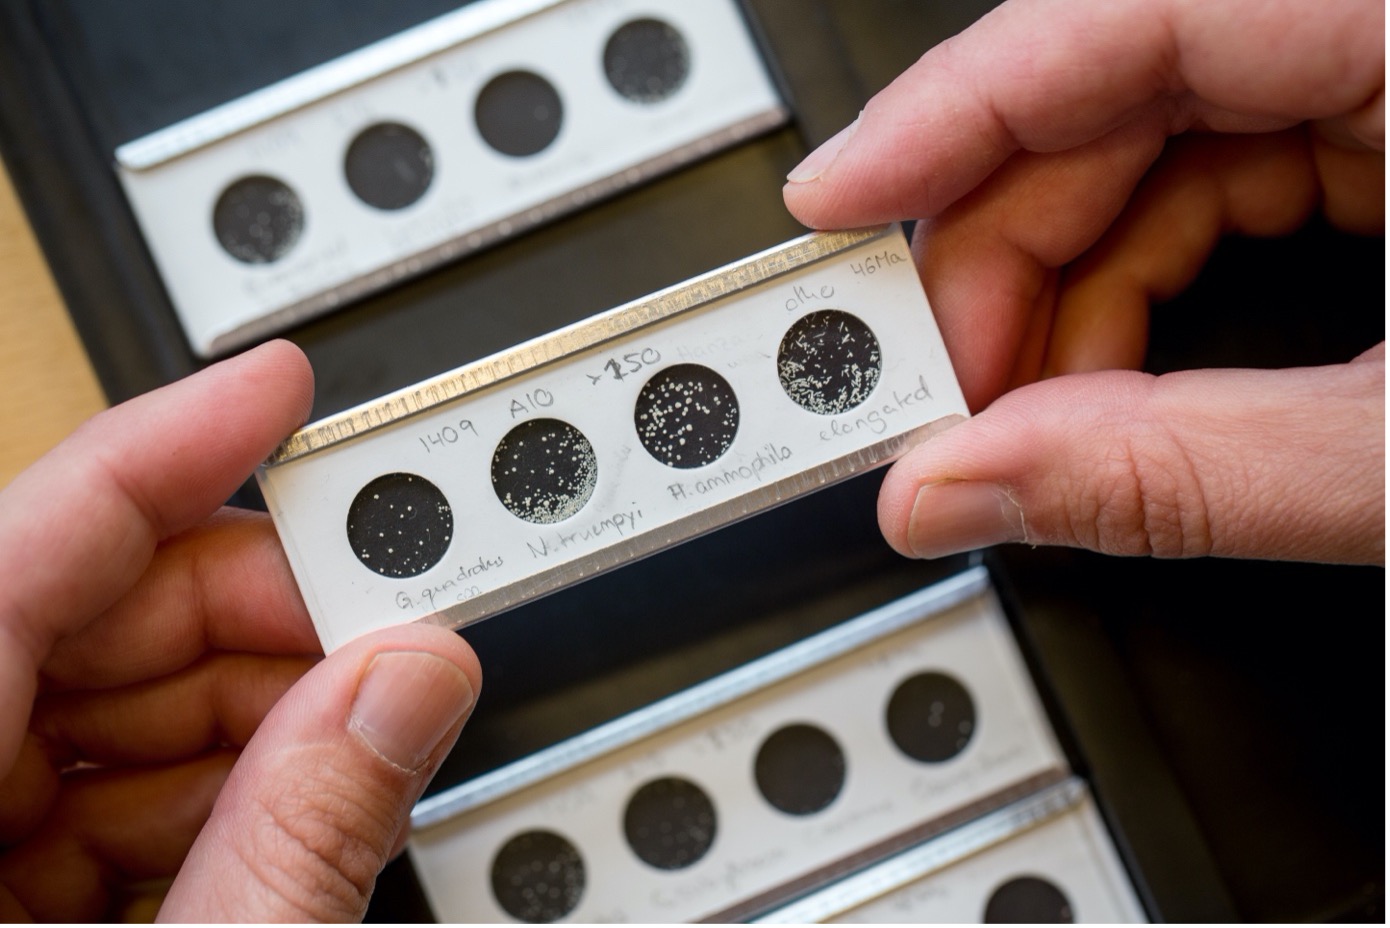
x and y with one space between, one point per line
78 77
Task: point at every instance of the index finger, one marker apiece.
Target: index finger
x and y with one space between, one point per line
79 528
1050 75
222 586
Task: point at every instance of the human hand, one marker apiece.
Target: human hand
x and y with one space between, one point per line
160 710
1039 149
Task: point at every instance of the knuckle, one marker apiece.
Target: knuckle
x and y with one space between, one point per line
319 847
1147 498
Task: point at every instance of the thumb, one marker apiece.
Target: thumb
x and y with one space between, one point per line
316 804
1266 464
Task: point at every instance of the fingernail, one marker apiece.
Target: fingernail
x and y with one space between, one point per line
962 515
407 702
818 161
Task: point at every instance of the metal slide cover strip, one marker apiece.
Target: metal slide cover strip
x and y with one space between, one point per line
934 855
318 83
704 697
665 304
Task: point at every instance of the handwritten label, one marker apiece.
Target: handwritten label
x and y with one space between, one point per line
567 802
301 277
769 456
725 735
853 817
982 763
732 878
717 348
875 263
620 368
435 224
802 294
918 894
532 401
877 419
523 184
644 767
456 589
620 524
351 114
452 70
449 435
271 144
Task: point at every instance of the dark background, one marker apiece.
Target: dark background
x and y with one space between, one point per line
1230 714
1259 686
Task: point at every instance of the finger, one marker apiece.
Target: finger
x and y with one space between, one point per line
223 585
1352 181
1048 75
79 527
1202 187
1269 464
27 791
989 263
315 805
111 828
218 701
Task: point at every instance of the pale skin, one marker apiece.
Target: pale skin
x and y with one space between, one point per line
162 710
163 641
1072 162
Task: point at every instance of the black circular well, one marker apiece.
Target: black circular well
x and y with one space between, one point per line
670 823
389 165
646 60
518 113
258 219
538 876
400 525
544 470
800 769
1028 900
686 416
931 717
829 361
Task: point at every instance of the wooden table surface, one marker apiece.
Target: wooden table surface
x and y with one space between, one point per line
47 382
